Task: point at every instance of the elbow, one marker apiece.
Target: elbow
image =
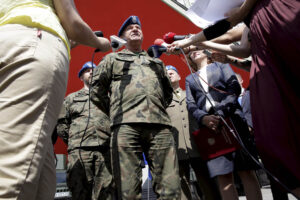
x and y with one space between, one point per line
74 27
74 30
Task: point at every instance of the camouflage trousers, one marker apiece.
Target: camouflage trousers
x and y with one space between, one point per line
129 141
92 179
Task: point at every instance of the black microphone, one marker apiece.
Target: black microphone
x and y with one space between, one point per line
156 51
99 33
150 52
114 44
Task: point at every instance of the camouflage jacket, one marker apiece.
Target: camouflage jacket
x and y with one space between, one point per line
136 88
73 120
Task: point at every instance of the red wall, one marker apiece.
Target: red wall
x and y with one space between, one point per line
156 18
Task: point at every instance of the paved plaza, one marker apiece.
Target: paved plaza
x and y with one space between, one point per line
267 195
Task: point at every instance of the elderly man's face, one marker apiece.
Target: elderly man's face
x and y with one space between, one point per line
173 75
133 32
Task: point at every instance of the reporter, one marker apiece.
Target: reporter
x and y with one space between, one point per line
221 77
35 53
274 78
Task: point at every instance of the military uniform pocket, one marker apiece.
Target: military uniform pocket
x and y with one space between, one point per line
78 105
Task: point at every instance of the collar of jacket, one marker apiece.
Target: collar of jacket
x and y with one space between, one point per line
84 91
127 52
178 98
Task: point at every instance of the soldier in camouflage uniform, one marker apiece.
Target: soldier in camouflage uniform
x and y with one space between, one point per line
139 91
89 172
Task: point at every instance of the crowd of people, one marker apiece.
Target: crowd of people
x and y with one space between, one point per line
132 105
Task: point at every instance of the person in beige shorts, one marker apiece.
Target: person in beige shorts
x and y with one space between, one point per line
34 60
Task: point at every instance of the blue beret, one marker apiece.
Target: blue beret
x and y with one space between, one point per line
130 20
86 66
168 67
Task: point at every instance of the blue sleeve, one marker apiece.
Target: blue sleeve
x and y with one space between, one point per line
192 107
247 108
233 89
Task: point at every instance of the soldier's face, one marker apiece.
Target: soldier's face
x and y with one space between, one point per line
133 32
174 76
86 75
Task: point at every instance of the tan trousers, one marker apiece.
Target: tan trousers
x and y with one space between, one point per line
33 80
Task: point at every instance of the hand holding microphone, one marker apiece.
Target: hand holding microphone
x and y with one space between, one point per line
171 37
163 46
176 41
116 42
103 42
156 51
158 48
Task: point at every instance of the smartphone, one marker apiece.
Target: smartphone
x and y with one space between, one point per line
207 52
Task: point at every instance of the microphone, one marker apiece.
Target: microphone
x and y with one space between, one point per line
156 51
99 33
171 37
160 42
116 42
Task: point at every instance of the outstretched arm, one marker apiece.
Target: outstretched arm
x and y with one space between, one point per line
240 63
242 51
76 29
234 17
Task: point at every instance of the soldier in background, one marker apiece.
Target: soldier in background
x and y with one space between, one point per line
85 129
139 92
183 126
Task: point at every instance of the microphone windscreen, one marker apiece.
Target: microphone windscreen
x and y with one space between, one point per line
158 42
169 37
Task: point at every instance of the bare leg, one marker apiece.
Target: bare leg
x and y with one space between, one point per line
227 188
251 185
